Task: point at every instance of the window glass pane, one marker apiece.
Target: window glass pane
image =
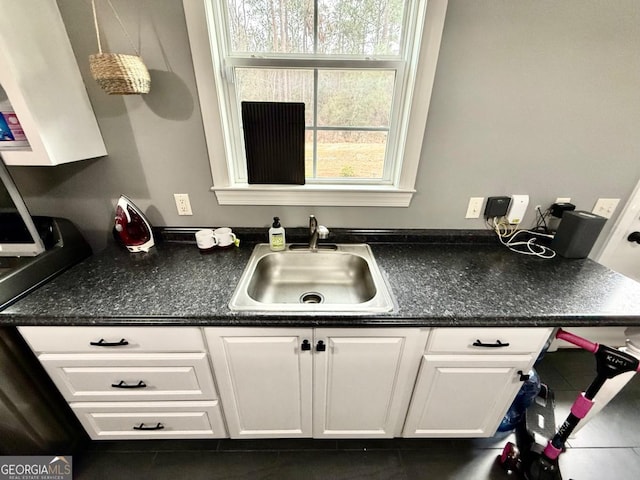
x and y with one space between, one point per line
349 154
271 26
360 27
308 154
352 98
345 27
276 85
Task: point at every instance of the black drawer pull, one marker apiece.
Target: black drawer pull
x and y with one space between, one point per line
306 345
634 237
498 344
321 347
103 343
159 426
124 384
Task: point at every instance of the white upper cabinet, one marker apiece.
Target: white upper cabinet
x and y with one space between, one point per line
40 75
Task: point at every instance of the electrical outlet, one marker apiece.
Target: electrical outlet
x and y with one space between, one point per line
563 200
605 207
475 207
182 203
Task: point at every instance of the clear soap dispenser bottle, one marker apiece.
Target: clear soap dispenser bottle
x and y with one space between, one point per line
276 236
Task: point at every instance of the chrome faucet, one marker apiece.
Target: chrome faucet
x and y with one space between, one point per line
315 232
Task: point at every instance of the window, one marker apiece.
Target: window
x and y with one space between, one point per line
363 68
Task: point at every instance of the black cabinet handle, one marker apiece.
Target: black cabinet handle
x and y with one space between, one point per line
103 343
159 426
523 377
320 347
634 237
498 344
124 384
305 345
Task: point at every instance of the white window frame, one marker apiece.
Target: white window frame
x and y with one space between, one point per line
398 194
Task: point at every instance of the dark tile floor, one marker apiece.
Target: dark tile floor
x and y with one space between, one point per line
606 448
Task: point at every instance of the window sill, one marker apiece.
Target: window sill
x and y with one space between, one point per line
314 195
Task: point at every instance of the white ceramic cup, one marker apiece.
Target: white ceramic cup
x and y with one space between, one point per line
224 236
205 239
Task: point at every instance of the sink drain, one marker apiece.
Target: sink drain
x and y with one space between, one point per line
311 297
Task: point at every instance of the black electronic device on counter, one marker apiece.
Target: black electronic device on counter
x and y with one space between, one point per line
558 209
577 233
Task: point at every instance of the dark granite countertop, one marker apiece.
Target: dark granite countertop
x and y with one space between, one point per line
434 284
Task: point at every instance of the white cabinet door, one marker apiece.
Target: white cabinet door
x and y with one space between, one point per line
40 76
363 380
265 380
463 395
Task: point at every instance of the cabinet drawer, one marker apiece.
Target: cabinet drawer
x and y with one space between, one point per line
114 339
142 420
126 377
490 341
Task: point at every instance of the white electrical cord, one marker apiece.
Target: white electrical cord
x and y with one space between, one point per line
504 230
532 248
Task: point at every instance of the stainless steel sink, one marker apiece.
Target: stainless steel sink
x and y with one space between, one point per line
341 278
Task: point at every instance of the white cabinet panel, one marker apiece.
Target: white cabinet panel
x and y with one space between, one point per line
362 382
463 395
264 379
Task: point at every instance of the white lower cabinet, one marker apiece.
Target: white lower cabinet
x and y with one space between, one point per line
265 380
325 383
363 381
132 382
366 382
463 396
468 379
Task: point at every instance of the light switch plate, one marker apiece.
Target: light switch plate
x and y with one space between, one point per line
605 207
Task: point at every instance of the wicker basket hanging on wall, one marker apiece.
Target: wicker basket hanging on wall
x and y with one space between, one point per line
118 73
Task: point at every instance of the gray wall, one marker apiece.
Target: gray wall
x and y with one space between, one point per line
540 98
